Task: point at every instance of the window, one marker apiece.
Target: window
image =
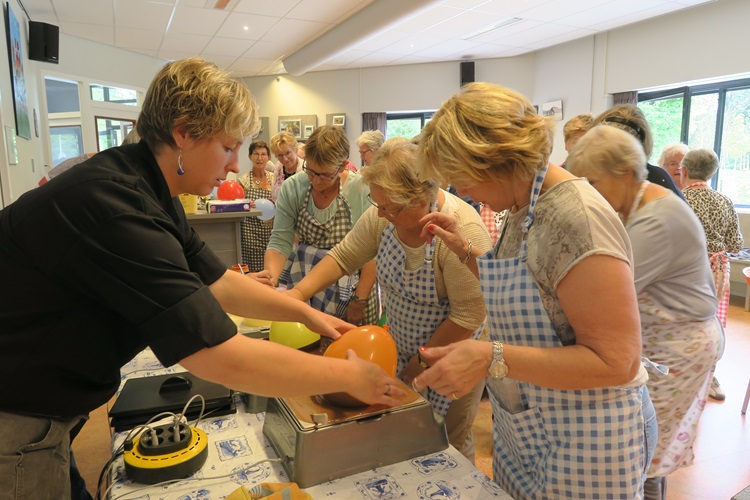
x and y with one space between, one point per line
406 124
110 132
66 142
714 116
104 93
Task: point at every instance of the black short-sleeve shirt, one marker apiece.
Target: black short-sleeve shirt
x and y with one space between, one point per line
97 264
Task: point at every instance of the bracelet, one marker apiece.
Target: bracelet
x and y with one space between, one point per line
468 253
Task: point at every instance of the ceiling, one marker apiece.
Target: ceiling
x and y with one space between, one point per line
250 37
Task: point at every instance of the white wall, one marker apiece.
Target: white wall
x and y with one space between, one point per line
78 58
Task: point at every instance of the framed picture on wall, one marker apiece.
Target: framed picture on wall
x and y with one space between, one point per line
339 120
309 130
15 55
294 127
553 109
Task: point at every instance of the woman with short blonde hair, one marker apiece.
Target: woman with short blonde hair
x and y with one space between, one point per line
284 148
564 368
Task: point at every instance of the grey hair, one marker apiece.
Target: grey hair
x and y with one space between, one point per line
373 139
608 150
672 150
700 164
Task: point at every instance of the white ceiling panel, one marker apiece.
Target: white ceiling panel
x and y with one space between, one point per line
278 28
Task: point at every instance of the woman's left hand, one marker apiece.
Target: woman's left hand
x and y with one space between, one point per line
355 312
455 369
263 277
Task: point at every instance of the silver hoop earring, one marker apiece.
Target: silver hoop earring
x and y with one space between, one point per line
180 170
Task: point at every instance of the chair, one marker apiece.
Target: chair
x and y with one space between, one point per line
746 272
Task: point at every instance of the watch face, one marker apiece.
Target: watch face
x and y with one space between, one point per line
498 369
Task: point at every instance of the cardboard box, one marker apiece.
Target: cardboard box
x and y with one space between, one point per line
221 206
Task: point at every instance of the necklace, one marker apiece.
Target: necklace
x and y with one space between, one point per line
697 184
257 180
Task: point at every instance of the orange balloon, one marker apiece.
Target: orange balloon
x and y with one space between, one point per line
230 190
371 343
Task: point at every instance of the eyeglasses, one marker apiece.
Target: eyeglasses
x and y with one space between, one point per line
259 155
365 151
288 154
385 210
312 174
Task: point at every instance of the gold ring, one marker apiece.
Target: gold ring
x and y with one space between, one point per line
414 384
453 396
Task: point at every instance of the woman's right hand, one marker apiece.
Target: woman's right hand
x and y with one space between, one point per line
447 228
373 385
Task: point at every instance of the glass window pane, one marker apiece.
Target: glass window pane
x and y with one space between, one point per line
117 95
110 132
62 96
734 173
665 118
702 129
403 127
67 142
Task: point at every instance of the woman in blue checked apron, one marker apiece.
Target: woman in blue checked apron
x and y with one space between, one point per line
429 296
320 209
564 367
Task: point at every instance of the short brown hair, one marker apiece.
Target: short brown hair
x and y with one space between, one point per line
204 98
327 146
630 118
577 124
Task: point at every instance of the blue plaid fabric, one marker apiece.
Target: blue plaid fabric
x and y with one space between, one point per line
564 444
411 304
316 239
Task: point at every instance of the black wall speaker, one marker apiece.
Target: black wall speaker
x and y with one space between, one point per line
44 42
467 72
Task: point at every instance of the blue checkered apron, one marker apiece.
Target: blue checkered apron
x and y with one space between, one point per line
561 444
315 241
411 304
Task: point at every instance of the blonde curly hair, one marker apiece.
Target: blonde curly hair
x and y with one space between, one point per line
198 95
483 133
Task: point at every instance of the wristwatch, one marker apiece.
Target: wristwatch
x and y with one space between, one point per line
498 369
422 362
356 298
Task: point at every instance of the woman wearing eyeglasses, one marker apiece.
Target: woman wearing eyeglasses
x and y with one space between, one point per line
284 147
430 296
257 184
321 207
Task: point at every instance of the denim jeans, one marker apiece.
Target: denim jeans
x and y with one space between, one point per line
650 427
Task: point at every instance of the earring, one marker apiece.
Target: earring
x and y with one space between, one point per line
180 170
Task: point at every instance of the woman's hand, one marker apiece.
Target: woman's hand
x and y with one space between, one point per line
447 228
355 312
374 386
325 324
263 277
455 369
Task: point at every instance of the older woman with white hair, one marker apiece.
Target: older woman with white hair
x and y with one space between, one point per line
670 160
369 143
675 288
721 224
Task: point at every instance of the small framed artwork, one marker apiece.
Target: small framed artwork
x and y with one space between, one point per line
294 127
553 109
339 120
17 81
309 130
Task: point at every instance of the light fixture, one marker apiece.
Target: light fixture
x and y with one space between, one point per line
375 18
492 27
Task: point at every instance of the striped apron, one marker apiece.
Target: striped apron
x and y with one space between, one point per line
412 305
554 443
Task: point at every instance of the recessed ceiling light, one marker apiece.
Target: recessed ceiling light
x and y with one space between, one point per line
492 27
246 28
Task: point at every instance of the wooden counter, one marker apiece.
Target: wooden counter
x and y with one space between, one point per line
222 232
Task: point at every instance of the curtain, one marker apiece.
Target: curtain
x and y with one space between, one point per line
625 97
373 121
